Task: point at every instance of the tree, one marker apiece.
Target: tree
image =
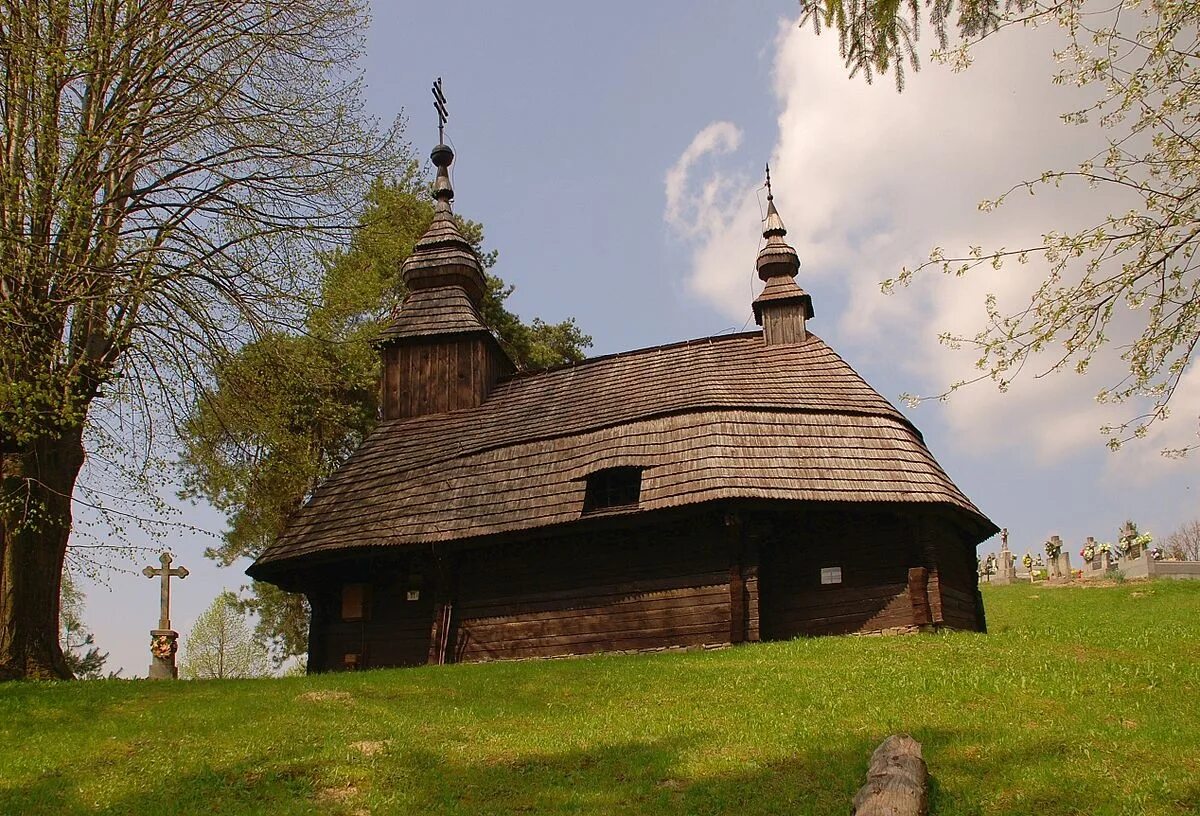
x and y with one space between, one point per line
162 162
1139 59
221 644
1184 543
75 639
287 409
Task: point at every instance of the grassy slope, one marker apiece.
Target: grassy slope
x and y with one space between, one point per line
1080 701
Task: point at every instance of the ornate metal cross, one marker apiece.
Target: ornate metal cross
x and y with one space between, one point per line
164 619
769 182
439 104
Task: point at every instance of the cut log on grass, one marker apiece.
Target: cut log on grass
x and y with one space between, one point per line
897 781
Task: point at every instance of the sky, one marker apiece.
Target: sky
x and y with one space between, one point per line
614 153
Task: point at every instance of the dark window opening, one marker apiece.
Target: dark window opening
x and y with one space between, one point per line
612 487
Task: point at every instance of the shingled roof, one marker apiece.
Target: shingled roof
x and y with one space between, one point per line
725 417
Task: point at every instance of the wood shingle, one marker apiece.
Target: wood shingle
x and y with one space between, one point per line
721 418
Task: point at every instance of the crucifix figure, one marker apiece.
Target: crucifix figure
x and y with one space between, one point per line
164 618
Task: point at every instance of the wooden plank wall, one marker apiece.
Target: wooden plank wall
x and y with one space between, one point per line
713 578
614 591
958 585
437 375
394 632
783 323
875 551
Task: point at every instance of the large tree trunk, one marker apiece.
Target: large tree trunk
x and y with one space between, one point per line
35 522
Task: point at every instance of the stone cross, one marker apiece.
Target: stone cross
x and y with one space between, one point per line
1006 571
165 571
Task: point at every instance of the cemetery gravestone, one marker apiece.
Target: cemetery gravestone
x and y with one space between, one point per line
1056 556
1006 571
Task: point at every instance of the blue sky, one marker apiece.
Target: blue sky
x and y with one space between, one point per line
614 154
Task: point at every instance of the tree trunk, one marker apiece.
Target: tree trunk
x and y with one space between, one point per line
35 523
897 781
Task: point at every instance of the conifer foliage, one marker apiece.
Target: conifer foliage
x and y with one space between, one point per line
83 656
287 409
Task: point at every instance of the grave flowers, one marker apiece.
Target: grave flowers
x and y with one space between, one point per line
1132 545
1053 547
1088 553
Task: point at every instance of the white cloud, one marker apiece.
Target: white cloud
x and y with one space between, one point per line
869 181
689 213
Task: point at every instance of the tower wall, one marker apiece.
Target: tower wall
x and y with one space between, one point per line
438 374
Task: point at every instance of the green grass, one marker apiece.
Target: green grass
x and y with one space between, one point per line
1081 700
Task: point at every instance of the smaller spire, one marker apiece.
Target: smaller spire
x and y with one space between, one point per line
777 257
782 307
774 222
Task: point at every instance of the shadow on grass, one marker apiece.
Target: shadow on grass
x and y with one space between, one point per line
649 777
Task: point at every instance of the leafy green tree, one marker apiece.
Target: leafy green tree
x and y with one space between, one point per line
1141 62
83 656
161 161
286 410
221 644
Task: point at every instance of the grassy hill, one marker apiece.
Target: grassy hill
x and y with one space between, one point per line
1081 700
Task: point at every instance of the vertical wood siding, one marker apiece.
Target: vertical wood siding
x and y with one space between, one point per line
436 376
783 324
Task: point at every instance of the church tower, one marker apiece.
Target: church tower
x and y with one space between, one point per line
782 307
438 354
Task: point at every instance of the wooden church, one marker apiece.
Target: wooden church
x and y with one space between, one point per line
730 489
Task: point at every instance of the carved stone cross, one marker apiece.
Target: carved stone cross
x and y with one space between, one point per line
164 619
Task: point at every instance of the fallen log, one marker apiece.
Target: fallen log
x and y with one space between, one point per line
897 781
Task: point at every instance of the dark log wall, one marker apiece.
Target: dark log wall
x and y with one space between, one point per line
613 591
928 532
394 630
958 586
438 375
875 550
707 579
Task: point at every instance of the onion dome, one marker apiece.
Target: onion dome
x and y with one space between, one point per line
442 256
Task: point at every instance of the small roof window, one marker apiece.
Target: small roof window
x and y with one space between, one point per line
612 487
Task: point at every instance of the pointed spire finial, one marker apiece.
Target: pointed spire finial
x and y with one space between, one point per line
442 155
774 225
